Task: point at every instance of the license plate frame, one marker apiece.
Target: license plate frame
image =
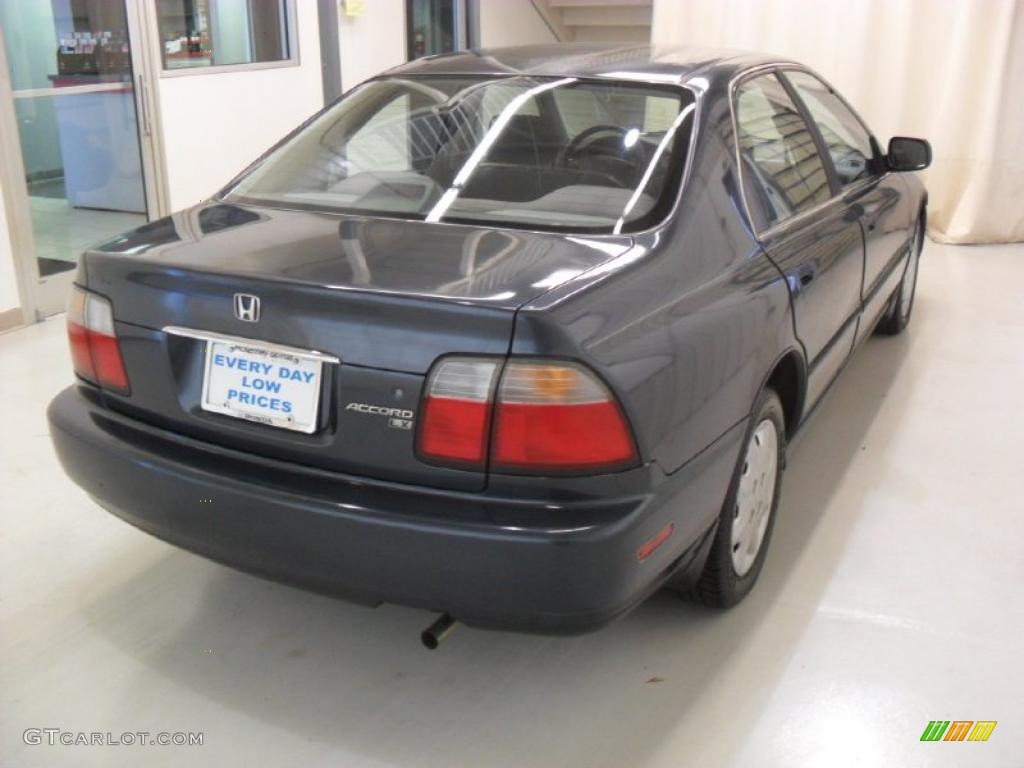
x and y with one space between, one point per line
304 395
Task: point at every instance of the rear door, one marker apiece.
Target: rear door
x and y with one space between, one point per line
874 195
803 223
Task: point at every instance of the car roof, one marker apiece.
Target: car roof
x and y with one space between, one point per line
653 63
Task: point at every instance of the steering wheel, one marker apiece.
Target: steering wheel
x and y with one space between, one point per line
617 170
577 145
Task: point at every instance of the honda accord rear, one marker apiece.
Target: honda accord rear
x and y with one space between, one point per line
434 348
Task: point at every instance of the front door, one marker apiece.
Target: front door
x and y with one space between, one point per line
876 197
78 158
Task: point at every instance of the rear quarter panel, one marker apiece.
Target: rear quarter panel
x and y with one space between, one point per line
687 325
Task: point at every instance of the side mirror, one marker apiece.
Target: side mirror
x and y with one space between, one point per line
906 154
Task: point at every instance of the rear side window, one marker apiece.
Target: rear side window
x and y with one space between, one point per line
849 144
782 168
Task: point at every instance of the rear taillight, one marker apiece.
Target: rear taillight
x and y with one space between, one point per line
94 351
558 416
456 412
543 417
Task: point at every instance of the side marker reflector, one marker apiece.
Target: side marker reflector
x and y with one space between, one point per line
648 549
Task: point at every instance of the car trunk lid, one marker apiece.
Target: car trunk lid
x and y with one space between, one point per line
386 298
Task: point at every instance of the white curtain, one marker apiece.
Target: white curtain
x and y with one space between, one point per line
950 71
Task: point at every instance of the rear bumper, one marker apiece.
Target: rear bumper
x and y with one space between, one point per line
505 563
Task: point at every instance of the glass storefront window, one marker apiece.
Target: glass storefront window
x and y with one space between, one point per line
59 44
70 67
208 33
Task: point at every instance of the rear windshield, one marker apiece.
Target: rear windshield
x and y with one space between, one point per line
537 153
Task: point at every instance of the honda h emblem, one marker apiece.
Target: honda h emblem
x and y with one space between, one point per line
247 307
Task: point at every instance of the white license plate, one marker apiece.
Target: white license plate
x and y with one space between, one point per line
274 386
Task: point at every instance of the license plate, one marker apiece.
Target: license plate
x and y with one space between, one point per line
270 385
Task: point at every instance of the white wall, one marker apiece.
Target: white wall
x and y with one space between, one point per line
214 124
511 22
372 42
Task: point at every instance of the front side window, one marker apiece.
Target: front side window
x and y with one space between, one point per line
207 33
849 144
782 168
532 152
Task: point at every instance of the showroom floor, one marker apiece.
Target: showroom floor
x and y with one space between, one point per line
891 597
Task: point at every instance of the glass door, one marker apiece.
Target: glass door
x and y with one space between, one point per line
435 26
86 155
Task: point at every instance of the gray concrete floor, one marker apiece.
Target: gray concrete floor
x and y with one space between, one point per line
891 596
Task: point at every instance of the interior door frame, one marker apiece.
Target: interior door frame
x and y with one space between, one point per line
146 71
15 197
147 65
41 296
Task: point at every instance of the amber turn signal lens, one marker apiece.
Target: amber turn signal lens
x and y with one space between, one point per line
554 382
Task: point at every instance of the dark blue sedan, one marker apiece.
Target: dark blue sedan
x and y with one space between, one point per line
518 336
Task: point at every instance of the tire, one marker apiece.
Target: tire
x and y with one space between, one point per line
732 568
897 316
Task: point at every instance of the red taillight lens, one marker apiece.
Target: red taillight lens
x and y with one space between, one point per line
455 418
78 336
548 417
106 359
558 417
94 350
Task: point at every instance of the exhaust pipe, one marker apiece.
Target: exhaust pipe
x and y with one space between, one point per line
432 636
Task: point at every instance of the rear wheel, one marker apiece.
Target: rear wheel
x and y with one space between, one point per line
897 316
746 522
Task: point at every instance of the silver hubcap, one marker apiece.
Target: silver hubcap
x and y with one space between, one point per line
754 496
910 277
